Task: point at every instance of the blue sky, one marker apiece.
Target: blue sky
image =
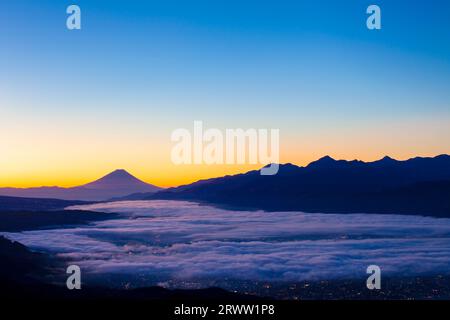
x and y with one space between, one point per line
248 53
144 68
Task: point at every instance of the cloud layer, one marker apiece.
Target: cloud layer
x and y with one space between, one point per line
182 241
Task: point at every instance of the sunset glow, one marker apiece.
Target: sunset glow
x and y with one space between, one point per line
69 115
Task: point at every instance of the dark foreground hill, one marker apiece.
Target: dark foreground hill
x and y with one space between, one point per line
22 271
415 186
35 204
20 214
15 221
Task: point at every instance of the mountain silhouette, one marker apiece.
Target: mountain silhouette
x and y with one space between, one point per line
415 186
118 179
118 183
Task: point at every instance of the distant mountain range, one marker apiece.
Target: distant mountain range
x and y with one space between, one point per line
116 184
415 186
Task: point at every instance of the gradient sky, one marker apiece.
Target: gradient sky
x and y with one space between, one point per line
75 105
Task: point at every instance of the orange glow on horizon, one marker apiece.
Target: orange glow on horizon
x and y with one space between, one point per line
34 158
172 176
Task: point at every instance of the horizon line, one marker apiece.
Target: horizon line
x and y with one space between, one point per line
219 176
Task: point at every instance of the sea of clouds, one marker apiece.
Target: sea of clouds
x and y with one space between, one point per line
176 240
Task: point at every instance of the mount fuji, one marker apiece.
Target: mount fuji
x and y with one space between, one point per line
118 183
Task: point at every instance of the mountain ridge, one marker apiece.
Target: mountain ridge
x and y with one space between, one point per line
319 165
332 186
